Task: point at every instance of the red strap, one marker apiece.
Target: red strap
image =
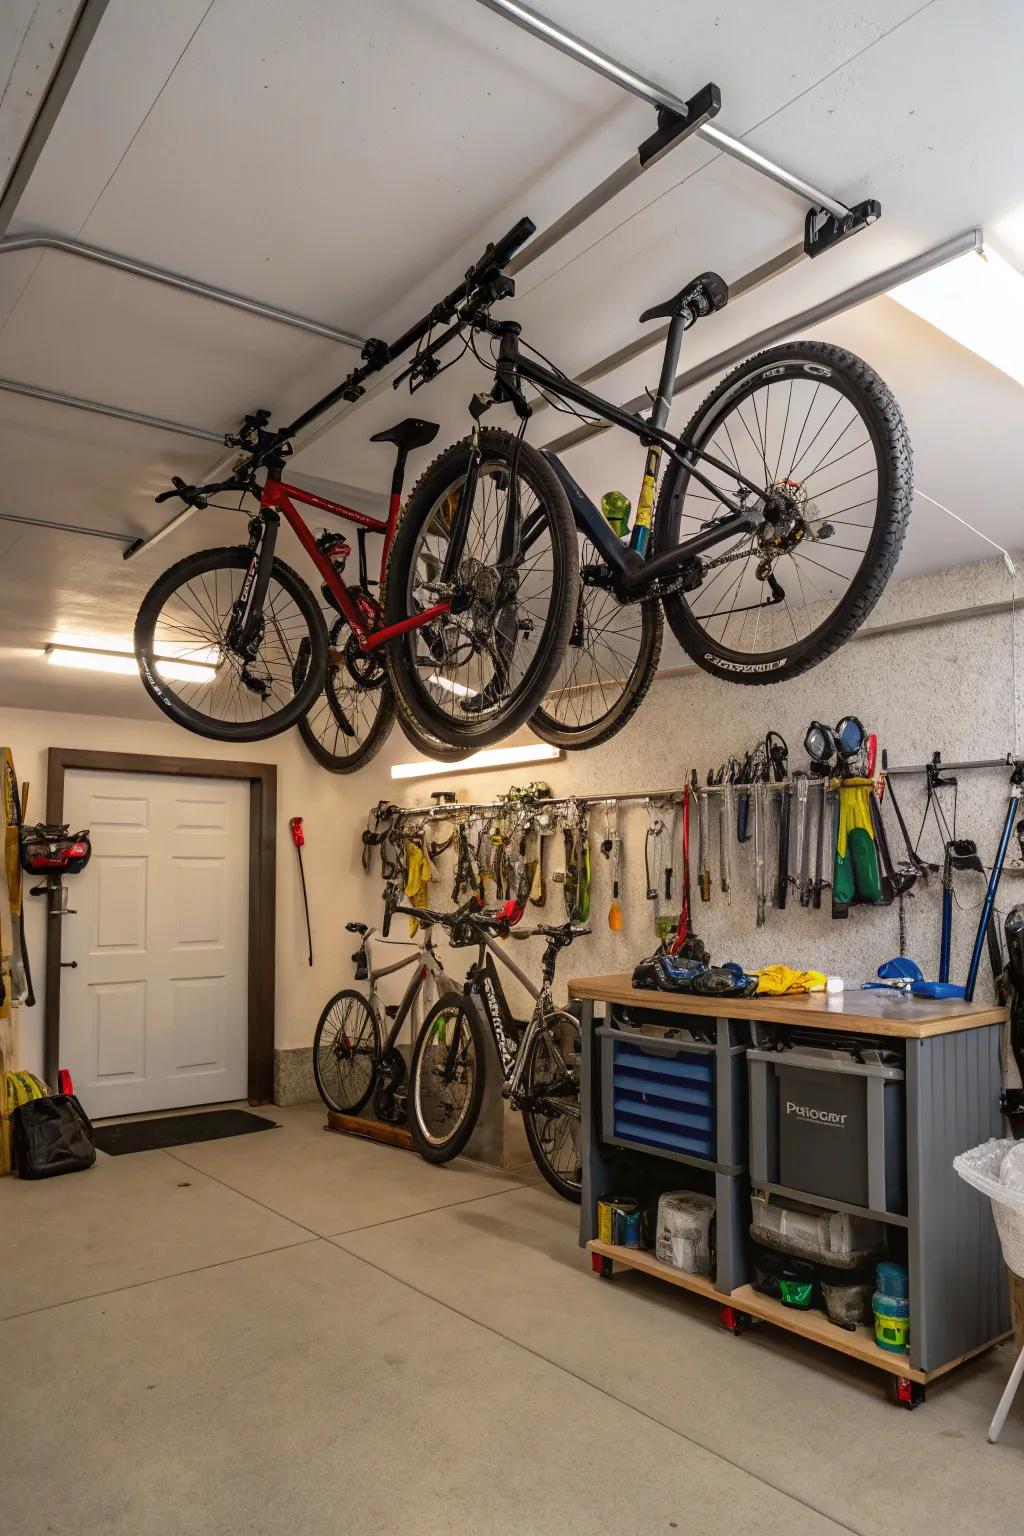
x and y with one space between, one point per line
682 932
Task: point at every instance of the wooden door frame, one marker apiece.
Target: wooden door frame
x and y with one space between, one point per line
262 780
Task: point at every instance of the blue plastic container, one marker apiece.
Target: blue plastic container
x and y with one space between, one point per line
892 1322
891 1279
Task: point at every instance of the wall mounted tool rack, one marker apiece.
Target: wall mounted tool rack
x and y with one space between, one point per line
827 221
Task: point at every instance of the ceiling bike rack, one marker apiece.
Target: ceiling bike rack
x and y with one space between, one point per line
827 222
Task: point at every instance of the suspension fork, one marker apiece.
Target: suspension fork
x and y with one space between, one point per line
459 530
248 609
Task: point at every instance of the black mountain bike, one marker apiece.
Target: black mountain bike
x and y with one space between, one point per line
540 1061
779 520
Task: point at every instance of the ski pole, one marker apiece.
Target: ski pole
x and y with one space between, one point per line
1016 780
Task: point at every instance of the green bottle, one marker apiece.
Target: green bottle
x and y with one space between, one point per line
616 509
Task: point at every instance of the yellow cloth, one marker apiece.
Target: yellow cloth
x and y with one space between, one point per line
418 870
781 981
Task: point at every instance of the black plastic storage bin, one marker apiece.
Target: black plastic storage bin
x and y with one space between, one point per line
830 1122
680 1098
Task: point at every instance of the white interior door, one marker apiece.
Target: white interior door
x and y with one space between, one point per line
155 1015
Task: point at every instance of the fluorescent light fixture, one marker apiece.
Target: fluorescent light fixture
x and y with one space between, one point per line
493 757
85 659
451 687
978 300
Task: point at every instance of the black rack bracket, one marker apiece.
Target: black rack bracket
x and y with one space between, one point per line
822 229
700 108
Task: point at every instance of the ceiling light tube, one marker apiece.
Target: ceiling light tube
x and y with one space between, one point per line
123 663
480 762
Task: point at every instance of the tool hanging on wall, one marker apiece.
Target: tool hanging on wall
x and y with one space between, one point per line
1013 805
703 841
654 859
611 847
299 838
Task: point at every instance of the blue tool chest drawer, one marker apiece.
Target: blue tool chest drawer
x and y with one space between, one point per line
661 1095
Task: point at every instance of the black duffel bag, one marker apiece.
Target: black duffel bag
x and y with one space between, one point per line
50 1136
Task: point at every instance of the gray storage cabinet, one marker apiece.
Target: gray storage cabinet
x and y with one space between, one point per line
926 1087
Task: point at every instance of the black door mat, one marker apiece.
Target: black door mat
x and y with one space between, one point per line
178 1130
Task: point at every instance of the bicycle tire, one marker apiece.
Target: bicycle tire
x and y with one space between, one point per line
322 731
569 1189
559 731
429 746
439 483
202 564
336 1100
882 417
429 1144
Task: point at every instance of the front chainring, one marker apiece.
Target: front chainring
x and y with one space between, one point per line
389 1100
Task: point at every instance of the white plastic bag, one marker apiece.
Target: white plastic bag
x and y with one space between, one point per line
996 1168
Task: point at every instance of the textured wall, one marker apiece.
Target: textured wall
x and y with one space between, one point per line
948 686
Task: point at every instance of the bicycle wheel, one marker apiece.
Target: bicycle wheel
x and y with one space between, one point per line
195 677
551 1103
608 665
820 432
446 1078
480 671
430 746
351 718
346 1052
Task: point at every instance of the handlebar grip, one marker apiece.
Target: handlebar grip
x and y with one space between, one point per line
504 249
180 489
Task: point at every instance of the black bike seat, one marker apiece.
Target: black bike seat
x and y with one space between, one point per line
408 434
715 291
356 927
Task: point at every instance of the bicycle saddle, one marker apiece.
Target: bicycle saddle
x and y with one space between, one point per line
699 296
408 434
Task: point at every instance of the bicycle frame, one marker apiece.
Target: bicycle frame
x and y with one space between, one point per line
637 573
484 983
277 497
428 967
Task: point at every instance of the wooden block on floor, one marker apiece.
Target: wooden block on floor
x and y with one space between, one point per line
370 1130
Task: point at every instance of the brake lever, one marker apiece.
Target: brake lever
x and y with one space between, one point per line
183 490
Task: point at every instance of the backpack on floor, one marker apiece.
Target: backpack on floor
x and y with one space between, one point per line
15 1088
52 1135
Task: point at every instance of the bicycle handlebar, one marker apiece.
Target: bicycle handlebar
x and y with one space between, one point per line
376 356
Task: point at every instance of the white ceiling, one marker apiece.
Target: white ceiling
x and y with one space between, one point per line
347 161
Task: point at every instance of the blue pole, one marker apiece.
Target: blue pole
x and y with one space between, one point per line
990 897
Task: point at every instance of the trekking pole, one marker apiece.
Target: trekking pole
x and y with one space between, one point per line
1016 780
298 838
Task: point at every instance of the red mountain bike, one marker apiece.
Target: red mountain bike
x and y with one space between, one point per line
232 643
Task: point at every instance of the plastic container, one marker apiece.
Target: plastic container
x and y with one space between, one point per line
848 1306
684 1231
892 1322
827 1237
891 1279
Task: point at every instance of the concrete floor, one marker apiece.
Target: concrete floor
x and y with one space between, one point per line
296 1332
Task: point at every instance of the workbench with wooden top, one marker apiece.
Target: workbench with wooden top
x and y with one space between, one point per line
947 1058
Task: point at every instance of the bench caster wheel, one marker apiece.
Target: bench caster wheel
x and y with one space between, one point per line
734 1321
904 1392
601 1265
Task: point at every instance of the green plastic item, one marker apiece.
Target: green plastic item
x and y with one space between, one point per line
616 508
796 1293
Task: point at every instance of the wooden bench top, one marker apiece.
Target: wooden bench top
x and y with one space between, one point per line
854 1012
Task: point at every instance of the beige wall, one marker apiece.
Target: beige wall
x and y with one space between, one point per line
334 811
948 686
